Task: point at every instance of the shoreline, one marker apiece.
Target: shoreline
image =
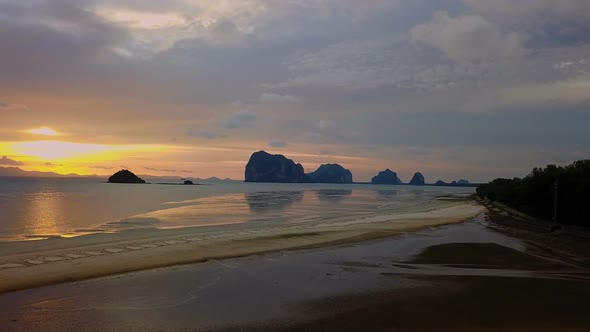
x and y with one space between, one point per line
466 276
32 264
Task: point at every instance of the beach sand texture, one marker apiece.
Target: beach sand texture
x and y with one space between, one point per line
460 277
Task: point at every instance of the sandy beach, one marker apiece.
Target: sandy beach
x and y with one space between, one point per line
29 264
468 276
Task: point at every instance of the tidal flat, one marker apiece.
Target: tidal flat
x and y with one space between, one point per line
468 276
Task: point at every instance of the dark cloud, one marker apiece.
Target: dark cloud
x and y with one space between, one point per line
10 162
205 134
67 35
166 170
240 119
102 167
12 107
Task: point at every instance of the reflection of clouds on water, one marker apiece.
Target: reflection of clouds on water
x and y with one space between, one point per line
272 200
333 195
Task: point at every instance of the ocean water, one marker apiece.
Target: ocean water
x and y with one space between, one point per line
38 208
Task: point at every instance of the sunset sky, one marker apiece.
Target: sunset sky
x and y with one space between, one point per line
472 89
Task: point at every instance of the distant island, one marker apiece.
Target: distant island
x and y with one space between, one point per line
390 177
417 180
265 167
459 183
330 173
276 168
386 177
125 176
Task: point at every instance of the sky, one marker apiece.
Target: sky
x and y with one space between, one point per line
473 89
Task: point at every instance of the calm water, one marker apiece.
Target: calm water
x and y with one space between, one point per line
34 208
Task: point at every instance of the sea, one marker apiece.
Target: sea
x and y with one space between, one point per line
41 208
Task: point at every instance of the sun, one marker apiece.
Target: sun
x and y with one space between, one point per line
46 131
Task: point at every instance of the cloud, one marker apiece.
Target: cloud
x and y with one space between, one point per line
469 38
205 134
572 91
10 162
5 107
166 170
277 144
278 98
532 10
372 79
416 151
52 164
240 119
102 167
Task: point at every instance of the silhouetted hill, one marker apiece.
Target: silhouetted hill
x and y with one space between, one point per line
125 176
330 173
17 172
386 177
417 179
266 167
460 183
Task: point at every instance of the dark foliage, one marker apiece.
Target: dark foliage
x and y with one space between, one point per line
535 194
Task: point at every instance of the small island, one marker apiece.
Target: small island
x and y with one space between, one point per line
125 176
417 180
386 177
330 173
265 167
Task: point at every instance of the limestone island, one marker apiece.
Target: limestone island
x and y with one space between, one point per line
417 180
386 177
330 173
266 167
125 176
459 183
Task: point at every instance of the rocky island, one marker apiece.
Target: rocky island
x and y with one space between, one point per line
386 177
266 167
125 176
417 179
460 183
330 173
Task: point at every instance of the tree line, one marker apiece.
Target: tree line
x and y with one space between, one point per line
536 193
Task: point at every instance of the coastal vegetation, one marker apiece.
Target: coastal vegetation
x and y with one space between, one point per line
537 194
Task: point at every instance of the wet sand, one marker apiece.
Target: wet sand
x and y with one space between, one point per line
36 263
461 277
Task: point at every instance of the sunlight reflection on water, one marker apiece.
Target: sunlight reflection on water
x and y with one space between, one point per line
40 208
